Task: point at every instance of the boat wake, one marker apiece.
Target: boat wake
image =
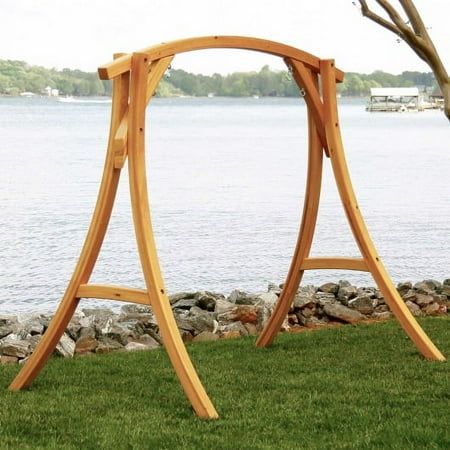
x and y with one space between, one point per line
79 100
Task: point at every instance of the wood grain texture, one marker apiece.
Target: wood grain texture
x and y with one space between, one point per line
305 236
335 263
123 64
90 251
305 79
156 71
357 225
110 292
173 343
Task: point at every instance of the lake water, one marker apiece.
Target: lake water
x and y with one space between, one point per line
226 179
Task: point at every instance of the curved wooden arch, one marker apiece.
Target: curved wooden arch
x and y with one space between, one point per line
135 78
123 64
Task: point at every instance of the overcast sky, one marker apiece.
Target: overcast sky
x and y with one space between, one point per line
84 34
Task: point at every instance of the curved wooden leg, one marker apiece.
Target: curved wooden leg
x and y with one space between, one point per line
360 232
304 240
147 249
89 254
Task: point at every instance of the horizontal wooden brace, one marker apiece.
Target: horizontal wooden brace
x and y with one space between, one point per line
110 292
335 263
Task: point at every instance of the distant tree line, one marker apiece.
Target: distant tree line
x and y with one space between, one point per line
17 77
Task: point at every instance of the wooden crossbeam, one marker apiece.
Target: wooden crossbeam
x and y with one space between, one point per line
110 292
335 263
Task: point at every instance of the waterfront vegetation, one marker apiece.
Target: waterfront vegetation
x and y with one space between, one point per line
359 387
17 77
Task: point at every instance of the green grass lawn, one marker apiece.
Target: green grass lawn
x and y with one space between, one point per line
357 387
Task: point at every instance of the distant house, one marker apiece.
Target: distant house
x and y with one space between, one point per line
51 92
394 99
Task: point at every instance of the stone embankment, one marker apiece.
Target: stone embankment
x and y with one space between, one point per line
207 316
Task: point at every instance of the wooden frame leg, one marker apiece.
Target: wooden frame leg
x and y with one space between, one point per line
354 216
305 237
89 254
173 343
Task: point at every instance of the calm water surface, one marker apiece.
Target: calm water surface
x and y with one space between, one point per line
226 183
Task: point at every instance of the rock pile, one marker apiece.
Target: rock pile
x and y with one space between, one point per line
206 316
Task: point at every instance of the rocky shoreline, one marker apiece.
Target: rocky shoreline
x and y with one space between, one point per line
208 316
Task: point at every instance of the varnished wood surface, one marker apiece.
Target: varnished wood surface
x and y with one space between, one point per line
123 64
170 334
335 262
307 81
305 236
110 292
90 251
357 225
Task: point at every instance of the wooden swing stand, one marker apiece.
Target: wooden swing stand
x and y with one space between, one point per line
135 78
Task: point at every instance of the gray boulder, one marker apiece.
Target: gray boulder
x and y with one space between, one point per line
305 296
415 309
205 336
341 312
324 298
268 299
201 320
14 346
446 289
242 298
184 303
98 312
5 330
8 320
207 300
85 345
65 347
346 292
364 304
233 329
106 345
274 288
329 288
222 306
403 288
143 343
423 299
180 295
428 286
33 326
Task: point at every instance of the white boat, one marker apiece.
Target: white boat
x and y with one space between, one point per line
66 99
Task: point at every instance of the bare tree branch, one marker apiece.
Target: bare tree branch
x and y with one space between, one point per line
414 17
404 32
407 32
367 12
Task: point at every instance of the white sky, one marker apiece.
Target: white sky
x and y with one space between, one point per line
83 34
